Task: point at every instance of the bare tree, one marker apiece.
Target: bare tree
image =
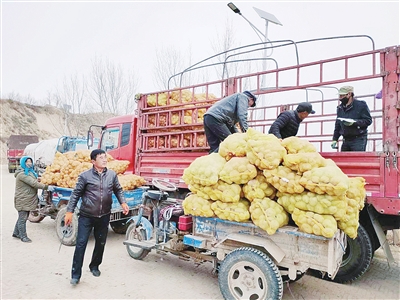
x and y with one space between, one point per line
109 88
169 62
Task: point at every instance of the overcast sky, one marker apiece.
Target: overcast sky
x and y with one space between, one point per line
43 41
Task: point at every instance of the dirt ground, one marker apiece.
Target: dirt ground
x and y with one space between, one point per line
41 270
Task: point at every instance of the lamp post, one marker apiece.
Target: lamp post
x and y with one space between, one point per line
268 18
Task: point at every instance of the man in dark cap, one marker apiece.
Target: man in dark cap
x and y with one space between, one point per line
353 119
95 187
221 118
288 122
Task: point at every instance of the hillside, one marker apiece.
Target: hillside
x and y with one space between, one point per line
44 121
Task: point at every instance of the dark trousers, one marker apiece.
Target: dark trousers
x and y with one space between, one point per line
357 144
216 131
20 225
100 230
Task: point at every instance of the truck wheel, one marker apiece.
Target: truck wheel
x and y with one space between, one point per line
133 233
10 171
248 273
357 258
35 216
66 234
120 226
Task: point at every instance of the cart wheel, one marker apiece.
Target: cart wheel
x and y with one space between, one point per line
247 273
66 234
35 216
136 233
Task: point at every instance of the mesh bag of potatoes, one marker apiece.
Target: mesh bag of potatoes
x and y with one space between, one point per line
197 206
238 212
264 150
357 190
221 191
130 181
204 170
320 204
118 166
268 215
304 161
313 223
238 170
284 180
294 144
349 222
325 180
233 146
258 188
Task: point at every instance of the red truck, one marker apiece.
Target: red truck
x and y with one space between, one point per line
15 148
166 133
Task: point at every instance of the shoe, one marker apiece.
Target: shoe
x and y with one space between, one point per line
95 272
16 236
26 240
74 281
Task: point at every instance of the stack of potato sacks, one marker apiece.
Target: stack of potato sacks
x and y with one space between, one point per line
65 169
259 177
190 115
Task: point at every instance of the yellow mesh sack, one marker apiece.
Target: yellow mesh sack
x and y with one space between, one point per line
313 223
238 170
294 144
197 206
238 212
268 215
258 188
221 191
284 180
357 190
304 161
325 180
204 170
233 146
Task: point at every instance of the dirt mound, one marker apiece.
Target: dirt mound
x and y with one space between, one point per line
44 121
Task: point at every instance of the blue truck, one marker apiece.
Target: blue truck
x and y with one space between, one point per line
54 205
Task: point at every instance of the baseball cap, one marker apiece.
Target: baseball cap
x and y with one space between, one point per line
305 106
345 90
248 94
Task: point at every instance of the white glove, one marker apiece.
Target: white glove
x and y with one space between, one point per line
50 188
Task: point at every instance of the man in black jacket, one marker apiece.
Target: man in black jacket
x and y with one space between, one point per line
353 119
95 187
288 122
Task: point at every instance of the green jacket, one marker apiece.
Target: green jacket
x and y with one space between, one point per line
26 187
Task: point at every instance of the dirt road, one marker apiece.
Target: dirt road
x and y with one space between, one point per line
40 271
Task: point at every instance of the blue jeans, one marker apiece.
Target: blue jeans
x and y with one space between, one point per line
216 131
85 225
357 144
20 226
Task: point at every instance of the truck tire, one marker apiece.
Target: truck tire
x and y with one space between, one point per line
66 234
120 226
248 273
35 216
356 259
133 233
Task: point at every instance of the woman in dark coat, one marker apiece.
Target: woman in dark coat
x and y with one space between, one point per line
26 195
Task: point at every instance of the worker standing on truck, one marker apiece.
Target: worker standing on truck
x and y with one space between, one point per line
353 119
26 195
221 118
288 122
95 187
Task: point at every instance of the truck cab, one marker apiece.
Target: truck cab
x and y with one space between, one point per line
118 138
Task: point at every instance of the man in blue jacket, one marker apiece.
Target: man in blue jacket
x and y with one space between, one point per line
95 187
353 119
221 118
